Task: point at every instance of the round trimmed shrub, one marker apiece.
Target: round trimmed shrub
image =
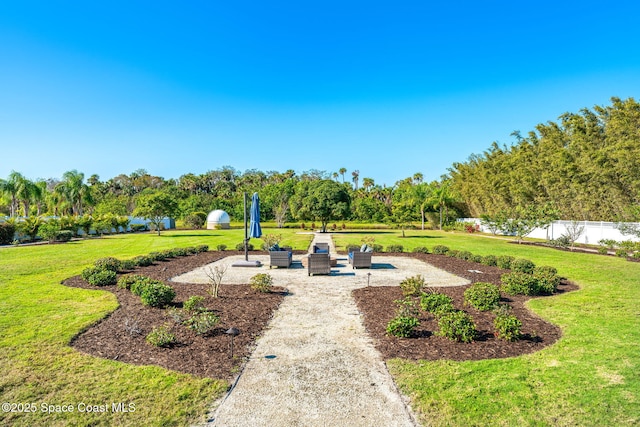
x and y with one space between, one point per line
194 303
102 278
221 248
202 322
158 256
489 260
161 337
191 250
508 327
157 295
261 282
436 303
421 250
7 231
465 255
440 249
457 326
194 221
504 261
547 278
140 284
107 263
127 280
395 248
477 258
88 272
179 252
453 253
240 246
402 326
519 284
142 261
521 265
482 296
202 248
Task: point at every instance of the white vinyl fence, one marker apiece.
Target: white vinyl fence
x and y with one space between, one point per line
594 231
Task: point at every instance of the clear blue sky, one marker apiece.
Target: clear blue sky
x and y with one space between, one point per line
388 88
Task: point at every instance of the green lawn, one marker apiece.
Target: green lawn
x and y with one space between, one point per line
590 377
38 318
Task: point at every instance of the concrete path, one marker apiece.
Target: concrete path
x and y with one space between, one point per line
315 365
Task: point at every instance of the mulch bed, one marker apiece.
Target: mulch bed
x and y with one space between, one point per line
378 308
121 335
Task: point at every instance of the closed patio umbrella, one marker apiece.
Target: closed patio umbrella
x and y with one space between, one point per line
254 225
256 231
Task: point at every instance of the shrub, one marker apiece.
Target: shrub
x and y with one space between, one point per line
102 278
508 327
108 263
489 260
179 252
395 248
221 248
519 284
195 220
7 231
157 295
49 231
521 265
436 303
412 286
561 242
465 255
547 279
504 261
89 271
142 261
202 248
202 322
453 253
261 282
167 253
622 253
127 280
138 286
160 256
457 326
161 337
477 258
240 246
64 236
440 249
483 296
421 250
376 247
603 250
402 326
194 303
191 250
138 227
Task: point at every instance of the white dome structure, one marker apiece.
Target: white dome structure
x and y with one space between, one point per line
218 219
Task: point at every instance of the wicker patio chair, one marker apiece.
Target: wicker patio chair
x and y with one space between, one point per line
321 248
319 264
360 259
280 258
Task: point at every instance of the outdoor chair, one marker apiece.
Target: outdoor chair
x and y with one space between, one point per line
319 264
320 248
281 258
360 259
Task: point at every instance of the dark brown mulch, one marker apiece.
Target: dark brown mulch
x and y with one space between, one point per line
376 303
121 335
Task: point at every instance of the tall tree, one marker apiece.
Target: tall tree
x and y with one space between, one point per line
75 191
320 200
155 207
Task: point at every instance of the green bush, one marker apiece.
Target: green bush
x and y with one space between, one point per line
402 326
161 337
240 246
64 236
453 253
440 249
7 231
89 271
102 278
436 303
194 221
167 253
191 250
202 322
202 248
395 248
179 252
490 260
261 282
561 242
519 284
221 248
508 327
194 303
603 250
482 296
457 326
504 261
160 256
108 263
412 286
477 258
622 253
376 247
521 265
157 295
547 278
421 250
465 255
142 261
138 227
138 286
49 230
127 280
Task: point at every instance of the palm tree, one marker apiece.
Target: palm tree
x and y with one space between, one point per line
342 172
12 187
335 176
441 198
27 193
74 190
356 175
367 183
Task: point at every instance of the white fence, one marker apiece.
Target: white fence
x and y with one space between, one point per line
594 231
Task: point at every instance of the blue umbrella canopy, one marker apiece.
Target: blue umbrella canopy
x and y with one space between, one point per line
254 226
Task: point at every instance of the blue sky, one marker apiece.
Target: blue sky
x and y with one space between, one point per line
387 89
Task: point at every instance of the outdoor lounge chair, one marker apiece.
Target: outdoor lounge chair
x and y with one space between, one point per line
360 259
319 264
320 248
281 258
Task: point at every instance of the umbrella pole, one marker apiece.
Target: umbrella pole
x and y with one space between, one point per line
246 234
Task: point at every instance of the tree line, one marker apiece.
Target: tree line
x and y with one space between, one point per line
586 166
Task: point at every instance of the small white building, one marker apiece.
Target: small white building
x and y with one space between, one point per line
218 219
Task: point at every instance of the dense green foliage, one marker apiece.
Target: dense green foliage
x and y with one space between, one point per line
483 296
587 165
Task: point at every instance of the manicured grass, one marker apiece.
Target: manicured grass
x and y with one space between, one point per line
38 318
590 377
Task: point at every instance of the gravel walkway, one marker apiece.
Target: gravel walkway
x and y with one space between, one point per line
315 365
